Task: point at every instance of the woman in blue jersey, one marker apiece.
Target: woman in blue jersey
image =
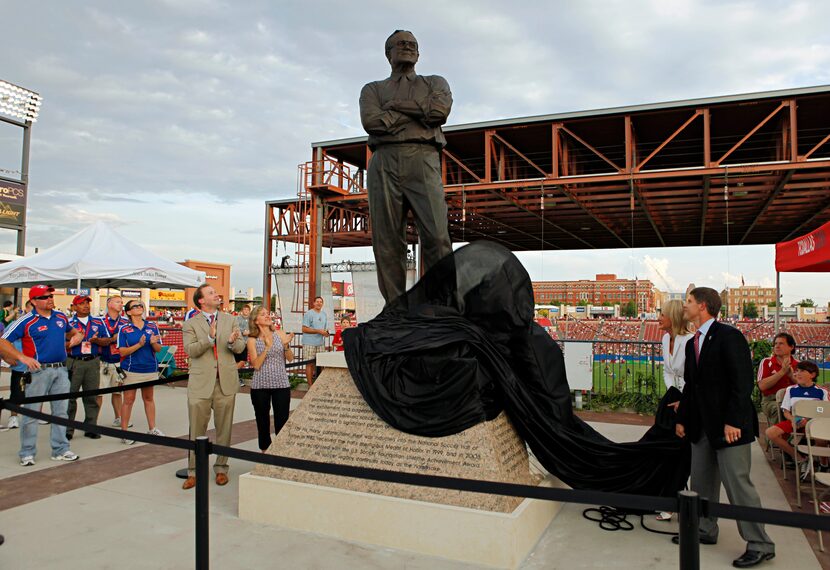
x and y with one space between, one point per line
138 343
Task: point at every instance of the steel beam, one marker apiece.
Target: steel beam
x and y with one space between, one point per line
596 218
648 175
704 207
649 217
815 215
514 149
785 178
592 149
663 144
540 217
752 132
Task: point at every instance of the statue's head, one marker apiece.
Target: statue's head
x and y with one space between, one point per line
402 48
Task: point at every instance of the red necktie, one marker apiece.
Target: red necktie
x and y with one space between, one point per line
697 347
215 352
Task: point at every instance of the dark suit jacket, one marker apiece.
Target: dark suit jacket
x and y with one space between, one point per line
718 390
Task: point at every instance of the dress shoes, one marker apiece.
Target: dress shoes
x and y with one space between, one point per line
703 540
189 483
752 558
92 435
221 479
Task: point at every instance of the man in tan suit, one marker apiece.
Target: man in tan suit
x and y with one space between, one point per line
210 339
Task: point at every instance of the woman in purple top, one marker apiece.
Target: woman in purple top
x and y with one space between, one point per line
138 343
269 351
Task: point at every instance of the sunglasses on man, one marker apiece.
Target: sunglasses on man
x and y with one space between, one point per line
135 306
43 297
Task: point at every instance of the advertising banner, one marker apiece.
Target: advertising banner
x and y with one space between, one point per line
156 295
12 205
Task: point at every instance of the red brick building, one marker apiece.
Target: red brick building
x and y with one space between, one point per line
606 288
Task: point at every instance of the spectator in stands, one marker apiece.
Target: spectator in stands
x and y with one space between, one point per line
269 349
805 388
138 343
776 373
337 343
315 331
8 314
677 334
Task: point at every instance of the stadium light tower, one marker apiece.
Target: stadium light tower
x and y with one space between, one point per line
19 107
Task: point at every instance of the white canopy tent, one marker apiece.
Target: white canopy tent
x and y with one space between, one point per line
98 257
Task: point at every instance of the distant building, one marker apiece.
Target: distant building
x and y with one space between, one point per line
218 276
606 288
662 297
736 298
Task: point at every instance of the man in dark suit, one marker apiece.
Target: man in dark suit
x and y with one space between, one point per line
717 415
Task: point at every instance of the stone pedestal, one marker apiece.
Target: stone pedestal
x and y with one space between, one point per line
334 424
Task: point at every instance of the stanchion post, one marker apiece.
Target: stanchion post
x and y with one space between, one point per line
689 521
202 503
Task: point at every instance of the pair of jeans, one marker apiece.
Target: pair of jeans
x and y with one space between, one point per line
47 381
263 399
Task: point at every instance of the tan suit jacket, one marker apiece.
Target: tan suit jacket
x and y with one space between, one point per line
203 366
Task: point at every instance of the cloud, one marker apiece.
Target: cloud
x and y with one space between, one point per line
657 270
171 112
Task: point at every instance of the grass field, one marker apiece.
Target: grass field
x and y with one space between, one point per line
617 377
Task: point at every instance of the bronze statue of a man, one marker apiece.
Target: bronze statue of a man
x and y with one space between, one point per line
403 115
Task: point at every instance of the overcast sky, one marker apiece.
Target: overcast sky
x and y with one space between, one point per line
176 119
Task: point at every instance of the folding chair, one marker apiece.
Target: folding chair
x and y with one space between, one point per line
771 447
167 360
809 409
818 429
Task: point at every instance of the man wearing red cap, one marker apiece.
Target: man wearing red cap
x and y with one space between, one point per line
84 364
43 334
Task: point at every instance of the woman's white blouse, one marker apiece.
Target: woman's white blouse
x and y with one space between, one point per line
673 363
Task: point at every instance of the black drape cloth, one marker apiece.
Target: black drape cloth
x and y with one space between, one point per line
461 346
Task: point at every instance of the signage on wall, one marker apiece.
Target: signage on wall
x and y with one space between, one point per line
12 205
131 293
166 295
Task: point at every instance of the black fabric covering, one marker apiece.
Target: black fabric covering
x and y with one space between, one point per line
461 346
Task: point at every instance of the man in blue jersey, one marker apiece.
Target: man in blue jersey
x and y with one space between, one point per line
190 314
43 334
110 355
17 383
84 364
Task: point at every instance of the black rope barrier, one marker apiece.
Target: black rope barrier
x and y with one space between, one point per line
453 483
122 387
101 391
688 504
618 500
163 440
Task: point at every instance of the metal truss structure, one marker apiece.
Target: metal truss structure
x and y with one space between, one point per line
744 169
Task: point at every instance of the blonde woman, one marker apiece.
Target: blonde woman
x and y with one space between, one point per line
677 333
268 351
